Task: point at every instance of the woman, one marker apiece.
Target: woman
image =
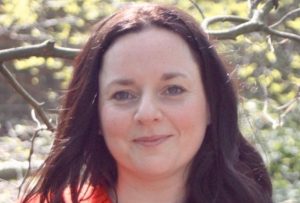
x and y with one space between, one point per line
150 116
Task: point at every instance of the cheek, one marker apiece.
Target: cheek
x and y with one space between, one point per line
191 122
115 125
113 121
191 117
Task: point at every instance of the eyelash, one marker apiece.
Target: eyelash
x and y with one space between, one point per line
125 95
178 90
119 95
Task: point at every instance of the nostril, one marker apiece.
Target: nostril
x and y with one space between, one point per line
147 112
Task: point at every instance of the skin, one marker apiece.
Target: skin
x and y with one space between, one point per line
153 113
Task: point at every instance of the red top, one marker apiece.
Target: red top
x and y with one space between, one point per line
85 196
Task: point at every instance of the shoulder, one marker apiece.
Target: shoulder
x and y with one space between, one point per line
88 194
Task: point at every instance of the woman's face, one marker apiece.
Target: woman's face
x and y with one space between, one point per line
152 105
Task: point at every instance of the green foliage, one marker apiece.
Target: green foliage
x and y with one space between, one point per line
268 68
278 139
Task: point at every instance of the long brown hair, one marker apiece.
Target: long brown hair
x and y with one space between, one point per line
226 168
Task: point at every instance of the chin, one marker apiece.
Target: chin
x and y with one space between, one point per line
155 171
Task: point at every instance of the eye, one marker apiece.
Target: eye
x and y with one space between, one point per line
123 96
174 90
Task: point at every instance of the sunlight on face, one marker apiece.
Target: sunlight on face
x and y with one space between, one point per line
152 105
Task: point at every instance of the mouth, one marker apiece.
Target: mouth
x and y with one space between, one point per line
151 141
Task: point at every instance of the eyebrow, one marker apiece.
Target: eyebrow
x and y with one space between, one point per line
169 76
125 82
164 77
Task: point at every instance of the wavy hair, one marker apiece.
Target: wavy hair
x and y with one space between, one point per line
226 168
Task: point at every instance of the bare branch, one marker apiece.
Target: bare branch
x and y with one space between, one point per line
198 8
292 14
268 6
45 49
292 105
255 24
45 23
282 34
23 32
36 134
227 18
232 33
18 87
288 107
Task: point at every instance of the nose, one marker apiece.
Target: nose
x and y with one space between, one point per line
148 110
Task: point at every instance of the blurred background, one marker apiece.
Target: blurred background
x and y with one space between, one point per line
266 68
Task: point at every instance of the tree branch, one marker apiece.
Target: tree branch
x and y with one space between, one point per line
198 8
232 33
228 18
255 24
48 49
37 106
46 23
45 49
29 159
268 6
282 34
292 14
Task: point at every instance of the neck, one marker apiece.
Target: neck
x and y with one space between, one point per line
135 189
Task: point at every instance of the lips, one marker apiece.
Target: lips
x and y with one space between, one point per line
151 141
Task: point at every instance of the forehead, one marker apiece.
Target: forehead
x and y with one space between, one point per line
152 49
145 57
148 39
